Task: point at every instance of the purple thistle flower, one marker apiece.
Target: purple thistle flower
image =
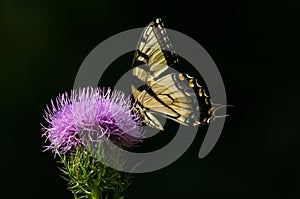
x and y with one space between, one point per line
90 113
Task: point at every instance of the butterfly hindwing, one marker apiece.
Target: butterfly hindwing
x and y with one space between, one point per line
176 97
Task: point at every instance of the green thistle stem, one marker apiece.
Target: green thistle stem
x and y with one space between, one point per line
90 179
95 193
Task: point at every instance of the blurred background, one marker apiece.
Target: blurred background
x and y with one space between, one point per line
255 45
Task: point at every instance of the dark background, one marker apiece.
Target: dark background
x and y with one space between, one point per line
255 45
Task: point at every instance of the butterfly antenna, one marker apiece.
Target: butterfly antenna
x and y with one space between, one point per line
217 107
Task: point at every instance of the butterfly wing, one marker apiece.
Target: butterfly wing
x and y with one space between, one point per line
156 91
154 54
178 97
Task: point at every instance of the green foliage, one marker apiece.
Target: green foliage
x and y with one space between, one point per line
89 178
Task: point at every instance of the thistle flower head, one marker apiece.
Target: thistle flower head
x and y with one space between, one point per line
89 114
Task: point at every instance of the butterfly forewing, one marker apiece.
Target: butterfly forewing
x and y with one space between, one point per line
154 53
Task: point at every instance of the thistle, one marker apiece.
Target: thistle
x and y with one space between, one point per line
88 116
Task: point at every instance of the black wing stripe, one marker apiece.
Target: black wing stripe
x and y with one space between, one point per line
152 93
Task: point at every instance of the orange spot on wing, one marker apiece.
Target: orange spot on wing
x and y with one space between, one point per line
200 92
196 123
181 77
191 83
206 101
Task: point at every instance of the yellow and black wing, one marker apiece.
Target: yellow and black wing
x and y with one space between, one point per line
156 90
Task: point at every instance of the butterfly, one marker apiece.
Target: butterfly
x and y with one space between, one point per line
157 91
